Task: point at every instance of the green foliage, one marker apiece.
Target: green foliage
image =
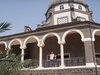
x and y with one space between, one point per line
2 54
9 64
26 63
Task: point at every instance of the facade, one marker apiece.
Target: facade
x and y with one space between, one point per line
70 32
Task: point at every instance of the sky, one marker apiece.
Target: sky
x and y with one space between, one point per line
22 13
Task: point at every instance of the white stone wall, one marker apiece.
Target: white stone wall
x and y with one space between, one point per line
82 15
65 14
68 14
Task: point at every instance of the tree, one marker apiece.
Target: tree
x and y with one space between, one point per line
4 26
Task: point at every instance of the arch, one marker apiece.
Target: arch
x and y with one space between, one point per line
49 34
73 44
71 30
3 42
20 42
34 37
93 34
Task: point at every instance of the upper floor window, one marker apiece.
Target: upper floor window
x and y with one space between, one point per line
79 7
61 7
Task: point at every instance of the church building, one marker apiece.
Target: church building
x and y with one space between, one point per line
69 32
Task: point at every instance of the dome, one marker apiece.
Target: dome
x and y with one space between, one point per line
54 2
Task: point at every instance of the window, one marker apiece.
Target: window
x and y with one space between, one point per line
79 7
62 20
97 55
81 19
66 56
61 7
58 57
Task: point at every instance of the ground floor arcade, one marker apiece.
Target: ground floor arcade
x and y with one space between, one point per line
71 50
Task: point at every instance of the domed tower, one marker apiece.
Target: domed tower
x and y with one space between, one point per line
66 11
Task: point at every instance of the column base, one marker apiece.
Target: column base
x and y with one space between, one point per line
62 66
90 64
40 67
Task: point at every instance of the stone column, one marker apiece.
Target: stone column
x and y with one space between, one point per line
7 53
89 52
22 54
62 54
40 56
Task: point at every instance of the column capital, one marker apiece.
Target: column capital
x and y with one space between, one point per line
61 42
41 45
87 39
23 48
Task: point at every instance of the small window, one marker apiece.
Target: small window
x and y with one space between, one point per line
62 20
61 7
79 7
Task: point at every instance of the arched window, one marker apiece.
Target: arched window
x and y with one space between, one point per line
61 7
79 7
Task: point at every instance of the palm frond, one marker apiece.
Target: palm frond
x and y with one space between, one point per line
4 26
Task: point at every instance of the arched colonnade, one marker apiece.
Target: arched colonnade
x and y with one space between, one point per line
60 41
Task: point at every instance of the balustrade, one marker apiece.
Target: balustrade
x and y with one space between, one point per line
75 61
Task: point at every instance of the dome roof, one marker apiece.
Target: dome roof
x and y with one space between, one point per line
54 2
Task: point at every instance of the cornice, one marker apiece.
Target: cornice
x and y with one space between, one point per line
49 29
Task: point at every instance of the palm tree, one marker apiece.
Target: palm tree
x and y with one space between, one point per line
4 26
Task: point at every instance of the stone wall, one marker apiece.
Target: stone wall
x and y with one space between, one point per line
75 71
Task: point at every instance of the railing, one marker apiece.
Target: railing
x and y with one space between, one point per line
32 64
75 61
51 63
